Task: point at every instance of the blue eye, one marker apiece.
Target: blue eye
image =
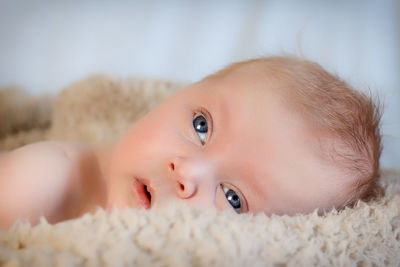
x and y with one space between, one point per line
201 127
233 199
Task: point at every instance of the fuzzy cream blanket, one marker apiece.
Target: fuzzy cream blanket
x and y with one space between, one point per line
102 108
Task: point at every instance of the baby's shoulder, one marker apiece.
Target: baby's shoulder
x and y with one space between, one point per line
46 158
39 179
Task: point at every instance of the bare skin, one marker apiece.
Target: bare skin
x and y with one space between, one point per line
56 180
224 143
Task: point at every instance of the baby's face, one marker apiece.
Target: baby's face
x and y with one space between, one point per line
226 143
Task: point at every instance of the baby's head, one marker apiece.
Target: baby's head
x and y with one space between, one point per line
278 135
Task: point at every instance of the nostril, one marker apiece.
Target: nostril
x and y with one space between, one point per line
185 190
172 166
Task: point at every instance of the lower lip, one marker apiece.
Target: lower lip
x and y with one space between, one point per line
141 194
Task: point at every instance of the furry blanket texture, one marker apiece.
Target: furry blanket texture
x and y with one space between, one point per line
102 108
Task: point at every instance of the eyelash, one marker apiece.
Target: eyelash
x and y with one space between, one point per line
224 187
243 203
203 112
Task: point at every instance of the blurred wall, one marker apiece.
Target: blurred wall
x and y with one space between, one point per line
45 45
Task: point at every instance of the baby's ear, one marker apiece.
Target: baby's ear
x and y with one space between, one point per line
102 108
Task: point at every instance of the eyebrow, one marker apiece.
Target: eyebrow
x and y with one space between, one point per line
249 180
248 184
223 120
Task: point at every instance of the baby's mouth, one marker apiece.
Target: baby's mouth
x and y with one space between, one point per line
143 193
147 193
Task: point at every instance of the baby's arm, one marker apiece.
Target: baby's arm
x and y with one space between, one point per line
35 180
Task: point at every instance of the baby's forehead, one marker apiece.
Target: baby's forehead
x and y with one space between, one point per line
249 79
253 102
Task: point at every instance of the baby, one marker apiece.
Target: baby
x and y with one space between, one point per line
277 135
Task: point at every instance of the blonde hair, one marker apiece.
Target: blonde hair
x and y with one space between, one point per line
350 117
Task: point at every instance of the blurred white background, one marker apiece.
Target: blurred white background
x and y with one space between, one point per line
45 45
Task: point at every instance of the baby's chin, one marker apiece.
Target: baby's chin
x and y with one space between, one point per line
120 203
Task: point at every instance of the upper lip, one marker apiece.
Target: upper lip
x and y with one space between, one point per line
143 192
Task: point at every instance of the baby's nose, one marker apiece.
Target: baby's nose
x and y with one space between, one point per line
187 174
